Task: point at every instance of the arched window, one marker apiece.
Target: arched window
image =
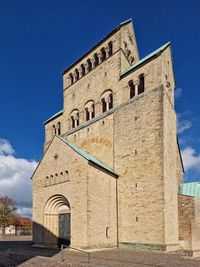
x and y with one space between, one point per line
110 101
107 100
141 84
103 52
110 46
77 119
87 114
73 121
93 111
89 65
131 60
83 69
74 117
59 128
103 101
131 88
54 129
96 60
71 78
107 232
89 110
127 52
77 74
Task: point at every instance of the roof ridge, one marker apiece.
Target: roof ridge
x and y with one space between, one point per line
94 46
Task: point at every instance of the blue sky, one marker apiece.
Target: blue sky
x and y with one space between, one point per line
39 39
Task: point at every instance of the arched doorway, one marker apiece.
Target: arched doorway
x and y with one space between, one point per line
57 220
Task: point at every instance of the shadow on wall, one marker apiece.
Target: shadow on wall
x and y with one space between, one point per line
45 238
15 250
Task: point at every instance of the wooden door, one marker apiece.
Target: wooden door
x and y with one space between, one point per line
64 229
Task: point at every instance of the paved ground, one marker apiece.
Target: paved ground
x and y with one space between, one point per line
19 252
128 258
15 250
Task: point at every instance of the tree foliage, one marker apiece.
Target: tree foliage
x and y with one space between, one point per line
7 211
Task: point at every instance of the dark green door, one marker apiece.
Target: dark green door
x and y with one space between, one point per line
64 229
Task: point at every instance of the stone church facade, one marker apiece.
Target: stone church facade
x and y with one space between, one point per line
112 167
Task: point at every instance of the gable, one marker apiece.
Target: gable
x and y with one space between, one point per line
62 156
58 159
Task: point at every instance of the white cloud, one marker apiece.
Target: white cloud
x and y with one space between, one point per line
183 124
178 92
191 160
5 147
15 176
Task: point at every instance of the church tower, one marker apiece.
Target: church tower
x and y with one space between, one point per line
112 165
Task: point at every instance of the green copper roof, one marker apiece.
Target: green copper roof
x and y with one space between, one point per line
190 189
125 22
88 157
154 53
54 116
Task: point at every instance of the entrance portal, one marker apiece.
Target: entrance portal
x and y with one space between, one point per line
57 221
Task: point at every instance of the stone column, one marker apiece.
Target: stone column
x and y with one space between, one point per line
86 68
136 83
100 57
74 77
80 72
58 127
107 52
76 117
93 63
107 100
90 110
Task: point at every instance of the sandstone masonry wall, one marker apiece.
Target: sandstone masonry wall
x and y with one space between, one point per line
186 216
138 160
74 189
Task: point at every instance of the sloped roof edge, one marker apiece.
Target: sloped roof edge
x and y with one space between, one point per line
125 22
93 47
88 157
54 116
179 150
154 53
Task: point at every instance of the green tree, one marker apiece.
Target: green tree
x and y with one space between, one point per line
7 212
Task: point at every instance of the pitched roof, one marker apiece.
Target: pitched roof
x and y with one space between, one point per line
89 157
190 189
54 116
22 221
138 63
